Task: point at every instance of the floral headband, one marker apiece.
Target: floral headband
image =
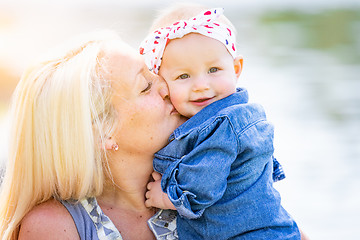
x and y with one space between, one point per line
204 23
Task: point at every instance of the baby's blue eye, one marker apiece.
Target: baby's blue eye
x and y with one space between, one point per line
213 69
183 76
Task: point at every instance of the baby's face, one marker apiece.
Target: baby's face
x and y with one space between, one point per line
199 71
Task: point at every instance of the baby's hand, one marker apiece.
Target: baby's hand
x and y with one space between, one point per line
155 197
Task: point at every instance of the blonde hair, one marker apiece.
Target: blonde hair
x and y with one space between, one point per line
183 11
60 108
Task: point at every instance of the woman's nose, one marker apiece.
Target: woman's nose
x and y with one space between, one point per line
162 87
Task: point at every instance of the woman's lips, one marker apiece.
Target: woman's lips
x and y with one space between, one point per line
174 111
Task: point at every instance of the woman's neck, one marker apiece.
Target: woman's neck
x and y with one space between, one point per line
127 187
129 197
123 197
126 209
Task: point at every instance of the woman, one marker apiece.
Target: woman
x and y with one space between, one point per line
86 125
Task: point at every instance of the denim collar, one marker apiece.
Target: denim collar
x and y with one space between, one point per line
239 97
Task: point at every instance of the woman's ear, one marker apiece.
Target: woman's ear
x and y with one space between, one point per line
110 144
238 65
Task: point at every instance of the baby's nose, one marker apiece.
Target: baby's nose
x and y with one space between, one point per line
200 83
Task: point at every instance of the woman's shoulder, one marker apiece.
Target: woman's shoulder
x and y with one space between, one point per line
48 220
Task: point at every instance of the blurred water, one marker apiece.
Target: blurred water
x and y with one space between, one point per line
302 62
305 70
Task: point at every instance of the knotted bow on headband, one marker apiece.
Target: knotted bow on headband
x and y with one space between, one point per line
205 24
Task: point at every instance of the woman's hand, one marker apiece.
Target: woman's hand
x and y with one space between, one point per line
155 197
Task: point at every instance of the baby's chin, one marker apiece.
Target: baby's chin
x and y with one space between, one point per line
189 110
190 114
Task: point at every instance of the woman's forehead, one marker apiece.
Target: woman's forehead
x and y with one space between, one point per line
122 54
122 67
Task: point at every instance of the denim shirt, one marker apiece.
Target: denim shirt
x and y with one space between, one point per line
217 171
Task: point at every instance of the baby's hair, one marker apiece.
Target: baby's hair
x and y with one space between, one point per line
183 11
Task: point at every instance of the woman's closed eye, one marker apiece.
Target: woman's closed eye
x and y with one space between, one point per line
148 87
213 69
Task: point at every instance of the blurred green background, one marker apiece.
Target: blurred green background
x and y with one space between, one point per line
301 61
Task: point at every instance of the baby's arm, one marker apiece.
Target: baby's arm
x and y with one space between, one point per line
155 197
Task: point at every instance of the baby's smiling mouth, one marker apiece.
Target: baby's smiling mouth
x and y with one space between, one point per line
201 100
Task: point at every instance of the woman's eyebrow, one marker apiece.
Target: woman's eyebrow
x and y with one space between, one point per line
140 71
138 79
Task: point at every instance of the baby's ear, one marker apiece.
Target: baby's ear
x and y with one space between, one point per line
238 65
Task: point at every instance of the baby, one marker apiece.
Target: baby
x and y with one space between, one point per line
218 167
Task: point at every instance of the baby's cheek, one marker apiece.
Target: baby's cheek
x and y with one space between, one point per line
176 101
179 103
175 94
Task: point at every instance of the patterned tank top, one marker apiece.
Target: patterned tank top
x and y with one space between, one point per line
92 223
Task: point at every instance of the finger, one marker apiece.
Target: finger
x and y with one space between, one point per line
156 176
148 186
147 203
147 195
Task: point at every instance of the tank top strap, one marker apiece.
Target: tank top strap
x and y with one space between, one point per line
90 220
106 229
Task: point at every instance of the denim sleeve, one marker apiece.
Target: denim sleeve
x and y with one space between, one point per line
199 179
